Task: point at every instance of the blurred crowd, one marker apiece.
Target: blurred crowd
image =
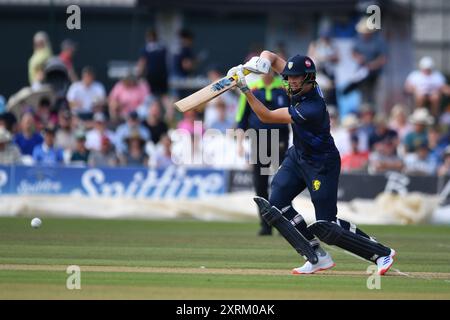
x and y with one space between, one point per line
132 124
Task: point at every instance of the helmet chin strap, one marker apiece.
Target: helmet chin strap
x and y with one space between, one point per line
299 91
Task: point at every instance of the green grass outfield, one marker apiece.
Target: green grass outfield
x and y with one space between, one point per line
127 259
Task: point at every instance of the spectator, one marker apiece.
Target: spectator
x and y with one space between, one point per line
342 137
152 64
154 122
222 123
164 154
211 114
324 53
47 153
426 85
80 154
44 116
135 155
123 131
145 106
9 152
64 134
87 96
270 91
444 169
8 120
367 118
39 77
384 158
444 119
436 144
334 118
338 132
382 132
42 51
355 160
94 136
369 53
126 96
68 49
420 162
79 124
184 59
28 137
184 62
420 119
398 121
105 157
189 117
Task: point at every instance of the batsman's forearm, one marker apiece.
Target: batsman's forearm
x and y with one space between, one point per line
269 56
260 109
276 61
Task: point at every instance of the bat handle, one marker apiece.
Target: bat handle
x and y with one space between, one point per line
246 72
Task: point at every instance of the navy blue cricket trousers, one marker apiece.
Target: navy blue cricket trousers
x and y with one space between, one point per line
320 177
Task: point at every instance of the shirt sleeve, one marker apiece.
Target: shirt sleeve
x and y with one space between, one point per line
71 92
304 112
440 79
411 79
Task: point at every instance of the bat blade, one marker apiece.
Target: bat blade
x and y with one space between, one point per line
206 94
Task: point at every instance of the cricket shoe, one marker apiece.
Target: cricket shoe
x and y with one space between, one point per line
384 263
325 263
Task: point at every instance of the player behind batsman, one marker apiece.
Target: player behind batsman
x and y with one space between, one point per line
312 162
270 91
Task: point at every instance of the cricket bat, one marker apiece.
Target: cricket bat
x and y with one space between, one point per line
207 93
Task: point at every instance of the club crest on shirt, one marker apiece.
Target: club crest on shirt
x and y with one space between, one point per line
316 185
290 65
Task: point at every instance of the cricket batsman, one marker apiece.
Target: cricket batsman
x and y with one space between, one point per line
312 162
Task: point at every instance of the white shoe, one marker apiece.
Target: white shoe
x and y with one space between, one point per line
384 263
325 262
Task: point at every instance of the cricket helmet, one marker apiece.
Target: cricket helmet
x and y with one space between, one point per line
298 66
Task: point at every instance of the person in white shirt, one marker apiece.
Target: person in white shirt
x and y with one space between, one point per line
342 135
426 85
86 96
95 135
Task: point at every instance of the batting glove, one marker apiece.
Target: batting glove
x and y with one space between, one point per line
258 65
241 82
232 71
